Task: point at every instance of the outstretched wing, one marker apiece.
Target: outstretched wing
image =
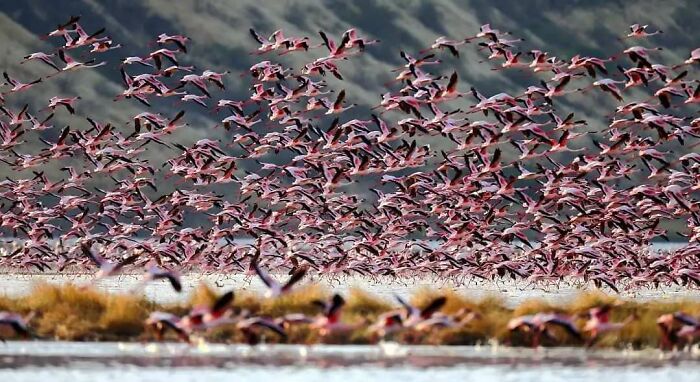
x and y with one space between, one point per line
128 261
295 278
256 36
95 258
264 276
433 307
223 302
174 281
71 21
325 40
339 100
337 302
181 333
271 326
409 308
566 325
452 85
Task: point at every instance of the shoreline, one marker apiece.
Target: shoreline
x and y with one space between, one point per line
71 312
511 292
388 353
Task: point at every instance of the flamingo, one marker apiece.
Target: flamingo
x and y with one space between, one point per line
16 323
179 40
72 64
206 317
19 86
539 325
161 322
43 57
607 85
412 315
67 102
599 323
274 288
154 272
337 106
62 29
640 31
106 267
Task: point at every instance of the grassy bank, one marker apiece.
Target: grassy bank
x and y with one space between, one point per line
70 312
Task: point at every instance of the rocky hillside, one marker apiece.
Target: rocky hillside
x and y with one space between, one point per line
221 41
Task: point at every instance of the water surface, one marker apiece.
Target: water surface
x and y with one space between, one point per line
78 362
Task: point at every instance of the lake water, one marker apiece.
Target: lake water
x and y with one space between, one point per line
134 362
79 362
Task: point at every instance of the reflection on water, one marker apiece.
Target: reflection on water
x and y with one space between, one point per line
78 362
488 373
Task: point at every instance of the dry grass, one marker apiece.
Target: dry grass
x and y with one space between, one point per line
202 296
123 316
71 312
299 301
362 304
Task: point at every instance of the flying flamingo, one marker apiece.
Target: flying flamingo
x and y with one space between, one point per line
16 323
19 86
640 31
599 323
106 267
43 57
161 322
274 288
72 64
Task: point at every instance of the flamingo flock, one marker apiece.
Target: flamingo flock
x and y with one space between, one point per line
439 179
407 323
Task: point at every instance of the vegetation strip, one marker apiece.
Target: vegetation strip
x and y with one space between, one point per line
77 313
